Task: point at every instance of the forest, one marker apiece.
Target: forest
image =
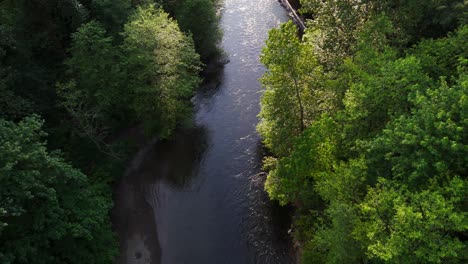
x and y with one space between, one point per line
75 76
365 116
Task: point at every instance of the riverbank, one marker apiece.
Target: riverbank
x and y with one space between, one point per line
270 221
295 247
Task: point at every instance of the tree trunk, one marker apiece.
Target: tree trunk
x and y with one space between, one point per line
301 108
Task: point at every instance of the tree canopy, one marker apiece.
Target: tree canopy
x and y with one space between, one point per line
377 169
49 209
75 75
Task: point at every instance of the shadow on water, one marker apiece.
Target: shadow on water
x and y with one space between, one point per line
210 87
134 203
175 160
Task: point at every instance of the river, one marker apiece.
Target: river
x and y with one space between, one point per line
193 198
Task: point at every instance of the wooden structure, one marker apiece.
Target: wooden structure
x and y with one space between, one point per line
296 18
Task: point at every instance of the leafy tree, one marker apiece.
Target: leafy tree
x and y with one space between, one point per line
430 144
335 27
401 226
93 67
49 212
38 33
12 106
440 57
332 237
162 69
292 79
85 78
375 98
339 22
95 96
426 19
292 179
381 176
112 13
199 18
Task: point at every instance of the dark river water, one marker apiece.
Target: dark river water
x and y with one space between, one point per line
194 198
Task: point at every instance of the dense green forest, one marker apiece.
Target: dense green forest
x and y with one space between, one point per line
74 76
365 116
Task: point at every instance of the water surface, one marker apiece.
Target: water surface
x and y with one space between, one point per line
191 199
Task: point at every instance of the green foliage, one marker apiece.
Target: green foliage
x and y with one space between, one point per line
376 97
381 177
292 179
152 83
94 95
292 79
163 69
440 57
199 18
401 226
92 67
339 22
50 211
112 13
12 106
332 239
432 18
70 62
431 143
335 27
37 34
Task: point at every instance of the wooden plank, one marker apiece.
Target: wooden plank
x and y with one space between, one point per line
299 21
